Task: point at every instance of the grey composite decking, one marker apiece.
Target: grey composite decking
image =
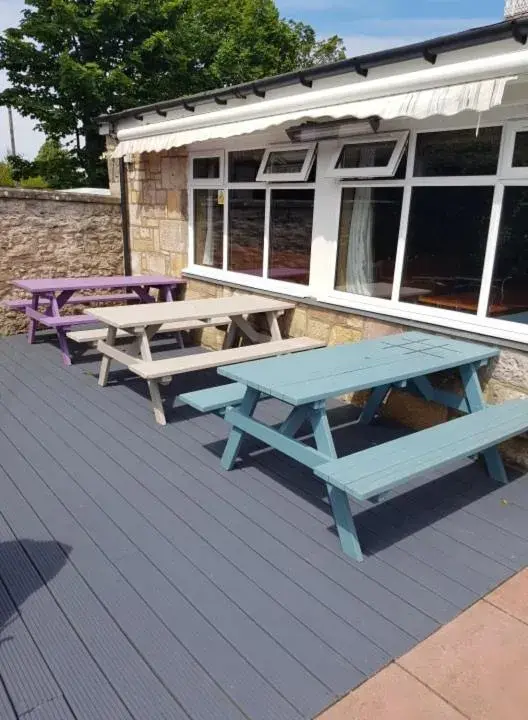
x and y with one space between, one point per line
139 580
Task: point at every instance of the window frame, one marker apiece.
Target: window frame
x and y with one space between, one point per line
207 182
400 138
325 228
296 177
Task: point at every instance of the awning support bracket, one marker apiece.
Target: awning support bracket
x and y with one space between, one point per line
430 56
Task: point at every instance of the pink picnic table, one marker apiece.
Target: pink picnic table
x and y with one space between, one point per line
55 293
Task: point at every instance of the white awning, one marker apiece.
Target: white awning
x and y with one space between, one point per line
447 100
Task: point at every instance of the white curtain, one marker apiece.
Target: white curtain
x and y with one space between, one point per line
208 256
360 255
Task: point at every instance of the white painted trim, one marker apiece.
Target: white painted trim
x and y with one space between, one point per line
263 176
491 246
254 282
399 139
207 182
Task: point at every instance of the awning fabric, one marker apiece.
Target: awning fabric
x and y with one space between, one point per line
449 100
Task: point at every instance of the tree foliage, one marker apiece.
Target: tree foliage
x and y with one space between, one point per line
72 60
54 167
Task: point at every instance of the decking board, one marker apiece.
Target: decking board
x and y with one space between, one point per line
225 594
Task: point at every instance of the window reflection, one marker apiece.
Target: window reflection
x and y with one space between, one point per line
208 227
457 152
509 289
291 235
368 237
446 244
246 231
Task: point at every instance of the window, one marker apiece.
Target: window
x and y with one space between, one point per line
246 213
208 227
520 150
291 215
446 245
457 152
368 239
244 165
286 163
508 298
369 156
207 169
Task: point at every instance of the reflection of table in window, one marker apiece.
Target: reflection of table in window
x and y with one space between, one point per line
468 302
281 273
384 290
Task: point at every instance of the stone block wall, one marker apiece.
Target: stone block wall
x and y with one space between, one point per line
50 234
157 192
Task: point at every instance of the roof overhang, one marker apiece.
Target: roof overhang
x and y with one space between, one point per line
470 85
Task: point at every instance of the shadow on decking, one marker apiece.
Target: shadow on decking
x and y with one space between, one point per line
14 555
417 505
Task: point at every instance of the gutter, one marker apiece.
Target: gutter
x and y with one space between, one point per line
516 29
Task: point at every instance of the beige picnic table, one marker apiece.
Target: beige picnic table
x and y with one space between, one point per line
141 323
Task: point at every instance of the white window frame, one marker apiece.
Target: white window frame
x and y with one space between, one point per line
389 170
508 170
326 222
263 176
207 182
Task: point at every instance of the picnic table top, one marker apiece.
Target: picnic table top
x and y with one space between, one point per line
332 371
154 313
38 285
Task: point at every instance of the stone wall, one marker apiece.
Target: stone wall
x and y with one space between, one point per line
50 234
157 192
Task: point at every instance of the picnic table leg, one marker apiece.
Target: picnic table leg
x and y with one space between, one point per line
56 303
246 407
373 404
273 325
475 401
346 527
153 385
33 323
166 292
106 360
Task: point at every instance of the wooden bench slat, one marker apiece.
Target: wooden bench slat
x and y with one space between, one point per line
379 469
86 336
23 303
215 398
174 366
55 322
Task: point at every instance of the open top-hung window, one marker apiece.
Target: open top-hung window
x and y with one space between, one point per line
286 163
368 156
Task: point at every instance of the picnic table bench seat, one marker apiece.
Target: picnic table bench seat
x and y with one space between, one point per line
155 369
22 303
215 398
377 470
87 336
63 321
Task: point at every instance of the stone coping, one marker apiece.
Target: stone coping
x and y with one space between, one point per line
8 193
387 319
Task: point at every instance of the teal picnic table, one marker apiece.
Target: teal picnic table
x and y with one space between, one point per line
307 380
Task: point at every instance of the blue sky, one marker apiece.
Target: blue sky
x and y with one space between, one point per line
365 26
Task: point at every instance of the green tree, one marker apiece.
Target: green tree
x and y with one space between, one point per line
72 60
58 166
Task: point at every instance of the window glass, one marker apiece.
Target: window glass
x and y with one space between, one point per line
246 230
285 161
244 165
206 167
520 151
446 243
457 152
509 288
291 219
208 227
365 155
368 237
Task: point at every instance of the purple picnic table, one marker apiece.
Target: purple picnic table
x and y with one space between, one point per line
55 293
